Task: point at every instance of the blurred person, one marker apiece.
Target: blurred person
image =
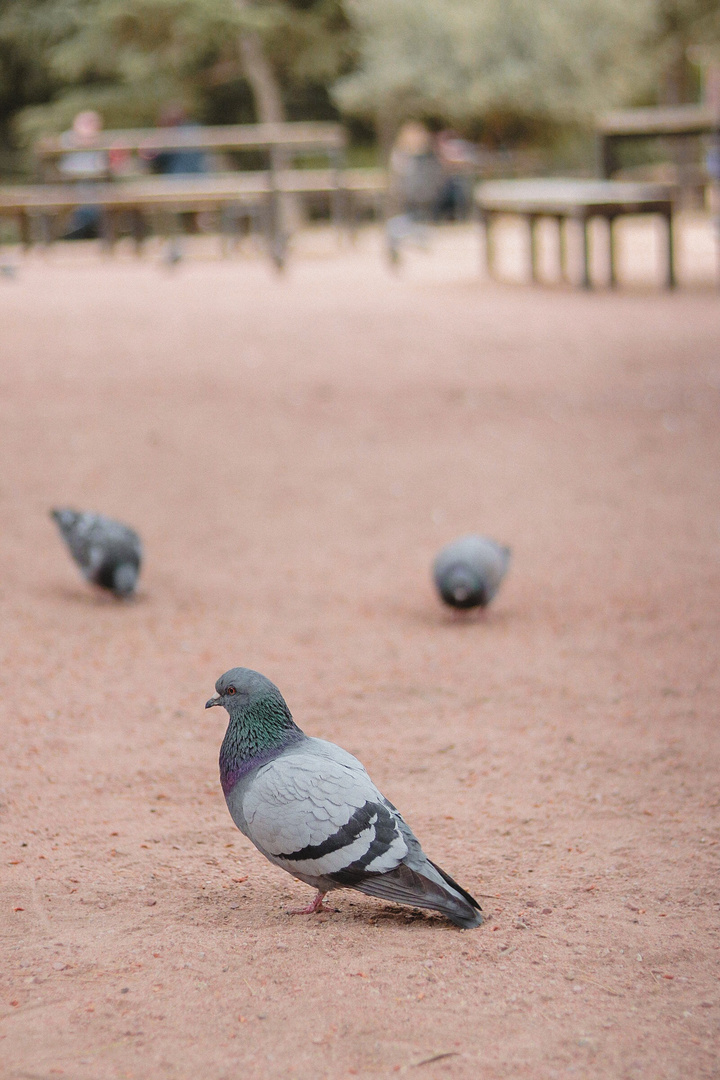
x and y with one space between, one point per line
459 161
711 98
182 160
83 162
179 161
415 182
84 165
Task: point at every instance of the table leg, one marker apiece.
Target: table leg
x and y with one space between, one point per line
671 280
612 251
586 280
485 220
532 227
562 247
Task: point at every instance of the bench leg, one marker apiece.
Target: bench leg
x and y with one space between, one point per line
340 211
586 279
671 279
45 230
25 229
107 230
352 210
276 239
139 230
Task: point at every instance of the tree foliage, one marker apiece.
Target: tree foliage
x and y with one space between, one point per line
676 29
460 59
127 58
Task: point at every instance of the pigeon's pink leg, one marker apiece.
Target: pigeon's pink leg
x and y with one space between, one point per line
315 905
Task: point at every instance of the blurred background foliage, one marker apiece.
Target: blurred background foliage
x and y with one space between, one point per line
507 72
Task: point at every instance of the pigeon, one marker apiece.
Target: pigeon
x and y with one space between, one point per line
468 571
310 807
107 552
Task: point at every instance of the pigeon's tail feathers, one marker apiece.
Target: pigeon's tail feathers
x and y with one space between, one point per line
407 886
64 517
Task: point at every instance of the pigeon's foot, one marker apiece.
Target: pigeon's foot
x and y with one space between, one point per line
315 905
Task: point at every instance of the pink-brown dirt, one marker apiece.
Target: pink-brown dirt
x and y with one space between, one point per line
294 451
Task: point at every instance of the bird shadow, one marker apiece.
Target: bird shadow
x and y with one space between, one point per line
455 619
373 916
91 596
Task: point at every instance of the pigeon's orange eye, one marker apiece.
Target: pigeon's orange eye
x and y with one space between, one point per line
230 690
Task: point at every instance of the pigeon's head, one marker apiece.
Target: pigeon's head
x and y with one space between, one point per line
241 688
124 579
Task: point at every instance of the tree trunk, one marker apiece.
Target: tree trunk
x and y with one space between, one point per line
269 105
269 109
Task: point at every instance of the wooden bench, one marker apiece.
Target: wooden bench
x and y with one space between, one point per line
680 122
579 200
132 191
31 204
279 142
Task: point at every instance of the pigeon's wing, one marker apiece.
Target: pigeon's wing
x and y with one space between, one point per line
495 560
80 532
319 815
114 535
103 545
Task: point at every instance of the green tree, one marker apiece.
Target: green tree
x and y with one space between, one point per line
460 60
127 58
677 29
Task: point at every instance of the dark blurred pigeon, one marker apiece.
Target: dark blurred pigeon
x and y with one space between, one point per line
468 571
311 808
108 552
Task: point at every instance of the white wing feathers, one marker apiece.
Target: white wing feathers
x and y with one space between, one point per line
316 812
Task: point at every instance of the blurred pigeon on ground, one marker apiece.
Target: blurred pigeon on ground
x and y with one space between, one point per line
108 553
468 571
311 808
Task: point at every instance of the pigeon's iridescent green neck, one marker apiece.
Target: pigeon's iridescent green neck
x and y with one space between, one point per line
257 732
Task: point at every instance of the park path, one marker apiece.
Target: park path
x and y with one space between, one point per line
294 451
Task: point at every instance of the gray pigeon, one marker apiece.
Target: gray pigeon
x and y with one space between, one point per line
107 552
311 808
468 571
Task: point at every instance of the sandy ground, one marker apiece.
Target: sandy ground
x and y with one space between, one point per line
294 451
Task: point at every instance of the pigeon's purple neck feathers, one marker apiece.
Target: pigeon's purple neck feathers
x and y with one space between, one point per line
258 732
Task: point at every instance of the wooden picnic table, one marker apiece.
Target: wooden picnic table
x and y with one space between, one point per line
678 122
578 200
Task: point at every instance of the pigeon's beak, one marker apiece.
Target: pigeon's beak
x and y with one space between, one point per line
213 701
